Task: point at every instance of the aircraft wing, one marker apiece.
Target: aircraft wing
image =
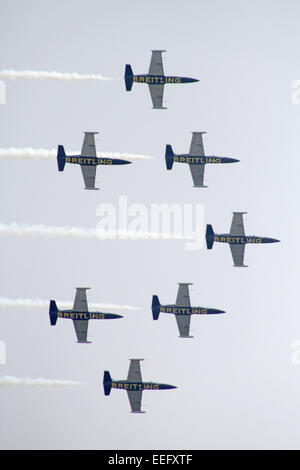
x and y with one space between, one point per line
135 400
237 252
183 295
196 148
157 95
81 329
156 64
134 372
89 176
80 302
197 171
183 323
237 224
88 146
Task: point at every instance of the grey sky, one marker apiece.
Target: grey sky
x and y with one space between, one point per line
237 386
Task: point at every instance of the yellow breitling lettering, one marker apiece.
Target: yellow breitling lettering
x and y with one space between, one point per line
126 386
176 159
68 159
142 79
80 160
114 385
203 311
155 387
169 310
66 315
182 159
177 80
162 309
148 80
59 314
148 387
223 239
216 238
258 240
120 385
135 79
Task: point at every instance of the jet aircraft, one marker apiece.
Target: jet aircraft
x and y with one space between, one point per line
155 79
181 309
133 385
87 160
236 239
196 159
79 314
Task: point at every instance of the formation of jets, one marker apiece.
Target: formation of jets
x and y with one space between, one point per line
182 309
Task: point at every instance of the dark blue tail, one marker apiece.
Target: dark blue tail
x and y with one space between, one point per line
128 77
155 307
53 310
107 382
61 158
210 237
169 156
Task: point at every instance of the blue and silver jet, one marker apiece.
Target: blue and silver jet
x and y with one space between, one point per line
133 385
236 238
196 159
181 309
79 314
87 160
155 79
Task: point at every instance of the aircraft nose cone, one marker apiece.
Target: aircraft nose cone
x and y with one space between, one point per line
166 386
215 311
123 162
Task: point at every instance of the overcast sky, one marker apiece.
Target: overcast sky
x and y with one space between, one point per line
237 385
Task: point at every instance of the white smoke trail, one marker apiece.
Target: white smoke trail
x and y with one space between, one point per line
8 381
36 304
44 154
78 232
42 75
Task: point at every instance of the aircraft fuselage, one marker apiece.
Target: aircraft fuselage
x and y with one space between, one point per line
242 239
94 161
202 160
178 310
86 315
139 386
161 79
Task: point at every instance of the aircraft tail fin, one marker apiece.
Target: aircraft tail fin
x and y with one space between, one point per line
169 156
61 158
53 311
128 77
210 234
155 307
107 382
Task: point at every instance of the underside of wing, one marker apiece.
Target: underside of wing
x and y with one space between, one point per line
89 176
156 64
157 95
135 400
80 301
183 323
237 224
183 295
81 329
88 146
197 149
197 171
237 252
134 372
